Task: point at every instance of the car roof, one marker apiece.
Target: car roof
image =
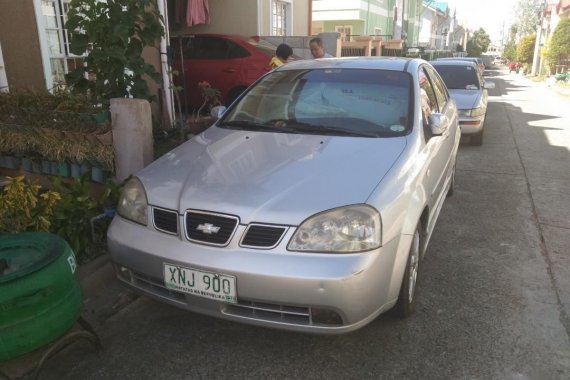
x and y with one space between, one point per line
472 59
379 63
453 62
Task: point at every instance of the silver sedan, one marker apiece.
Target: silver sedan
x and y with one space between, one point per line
469 90
307 206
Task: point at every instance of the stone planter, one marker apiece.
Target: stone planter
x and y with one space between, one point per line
97 175
26 164
46 167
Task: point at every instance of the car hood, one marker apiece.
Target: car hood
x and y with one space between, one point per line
269 177
466 99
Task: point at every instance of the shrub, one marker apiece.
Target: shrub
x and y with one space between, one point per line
23 207
559 44
67 210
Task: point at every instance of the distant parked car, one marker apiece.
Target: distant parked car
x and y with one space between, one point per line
469 90
478 62
229 63
307 206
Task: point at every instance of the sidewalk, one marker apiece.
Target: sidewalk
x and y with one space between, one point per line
564 91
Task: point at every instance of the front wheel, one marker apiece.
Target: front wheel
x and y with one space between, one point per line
406 300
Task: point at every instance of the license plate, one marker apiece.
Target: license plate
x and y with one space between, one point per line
216 286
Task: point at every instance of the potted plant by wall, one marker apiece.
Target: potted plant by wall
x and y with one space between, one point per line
210 98
112 34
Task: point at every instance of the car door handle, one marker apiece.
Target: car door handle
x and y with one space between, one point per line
229 70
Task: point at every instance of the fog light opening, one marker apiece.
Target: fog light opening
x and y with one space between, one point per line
125 274
325 317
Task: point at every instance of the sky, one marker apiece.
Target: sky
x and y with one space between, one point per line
492 15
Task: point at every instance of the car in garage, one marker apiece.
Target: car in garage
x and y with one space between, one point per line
229 63
469 90
307 206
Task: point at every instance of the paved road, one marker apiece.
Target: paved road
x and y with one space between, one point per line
494 299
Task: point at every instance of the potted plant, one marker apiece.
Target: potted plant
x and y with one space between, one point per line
211 98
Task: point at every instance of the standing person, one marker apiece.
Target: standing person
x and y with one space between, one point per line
282 54
318 49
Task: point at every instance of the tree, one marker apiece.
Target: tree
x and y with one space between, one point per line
525 49
478 43
510 51
113 34
528 16
510 48
559 44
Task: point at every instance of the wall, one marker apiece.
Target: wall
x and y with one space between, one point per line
241 17
425 37
301 17
20 44
300 44
363 16
151 56
226 17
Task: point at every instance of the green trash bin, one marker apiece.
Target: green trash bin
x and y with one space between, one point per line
40 296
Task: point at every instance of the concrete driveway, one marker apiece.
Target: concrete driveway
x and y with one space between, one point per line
494 292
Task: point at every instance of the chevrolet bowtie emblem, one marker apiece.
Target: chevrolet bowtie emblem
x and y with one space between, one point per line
208 228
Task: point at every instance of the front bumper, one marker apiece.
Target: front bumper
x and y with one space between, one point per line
275 288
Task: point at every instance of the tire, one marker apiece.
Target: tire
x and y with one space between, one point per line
40 296
406 304
477 139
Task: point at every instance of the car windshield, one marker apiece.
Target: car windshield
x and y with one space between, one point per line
459 77
347 102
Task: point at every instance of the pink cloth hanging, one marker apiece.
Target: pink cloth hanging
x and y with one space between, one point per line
197 12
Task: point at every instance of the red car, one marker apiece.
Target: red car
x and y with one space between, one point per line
229 63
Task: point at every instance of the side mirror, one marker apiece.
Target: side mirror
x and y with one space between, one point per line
489 85
438 123
217 112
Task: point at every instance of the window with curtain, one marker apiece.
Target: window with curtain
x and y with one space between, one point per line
54 14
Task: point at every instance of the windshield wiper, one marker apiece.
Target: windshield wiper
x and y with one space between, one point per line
271 125
326 130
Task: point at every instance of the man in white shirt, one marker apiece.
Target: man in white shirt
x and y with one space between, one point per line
317 48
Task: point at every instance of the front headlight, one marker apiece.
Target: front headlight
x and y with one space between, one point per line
347 229
475 112
132 203
464 113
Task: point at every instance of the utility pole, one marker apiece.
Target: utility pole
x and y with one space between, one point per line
536 55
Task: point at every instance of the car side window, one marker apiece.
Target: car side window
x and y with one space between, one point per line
439 88
428 101
184 47
237 51
213 48
427 93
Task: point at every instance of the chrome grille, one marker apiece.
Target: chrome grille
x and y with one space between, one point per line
165 220
270 312
210 228
262 236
